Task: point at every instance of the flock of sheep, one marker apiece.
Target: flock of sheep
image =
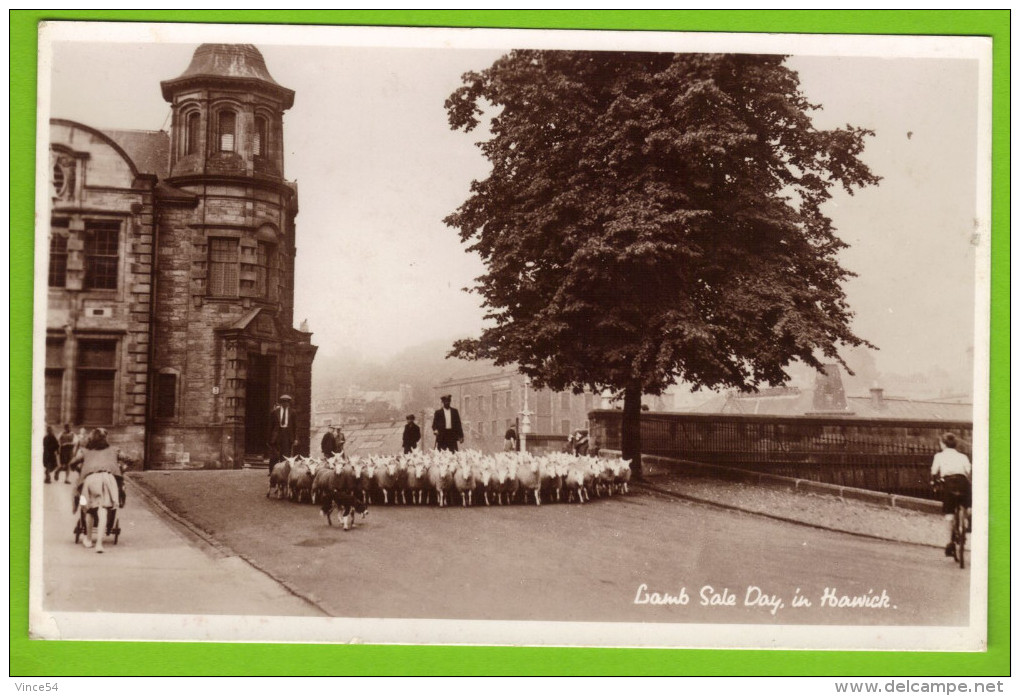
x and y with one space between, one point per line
435 476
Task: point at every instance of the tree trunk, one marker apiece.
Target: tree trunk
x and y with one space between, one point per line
630 434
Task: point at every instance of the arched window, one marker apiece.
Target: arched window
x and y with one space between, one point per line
227 126
191 133
261 145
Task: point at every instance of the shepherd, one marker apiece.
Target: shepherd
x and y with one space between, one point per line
281 431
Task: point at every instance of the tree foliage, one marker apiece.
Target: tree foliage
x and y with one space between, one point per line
654 216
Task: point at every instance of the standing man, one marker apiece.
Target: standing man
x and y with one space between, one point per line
446 426
329 443
412 434
281 430
66 441
580 443
341 440
51 446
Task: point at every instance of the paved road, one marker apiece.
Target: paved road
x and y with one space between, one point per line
155 568
569 562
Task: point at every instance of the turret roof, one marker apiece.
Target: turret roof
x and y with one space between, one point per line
228 62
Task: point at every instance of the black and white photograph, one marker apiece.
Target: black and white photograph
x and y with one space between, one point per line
507 337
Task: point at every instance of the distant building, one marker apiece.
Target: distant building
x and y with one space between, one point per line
171 272
339 411
491 400
358 405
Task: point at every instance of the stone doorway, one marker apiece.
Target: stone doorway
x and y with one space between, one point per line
258 403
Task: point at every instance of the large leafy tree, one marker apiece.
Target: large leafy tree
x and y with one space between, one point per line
652 217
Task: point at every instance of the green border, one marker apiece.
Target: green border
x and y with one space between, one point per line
53 658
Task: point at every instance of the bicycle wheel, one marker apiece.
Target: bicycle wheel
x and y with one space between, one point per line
960 535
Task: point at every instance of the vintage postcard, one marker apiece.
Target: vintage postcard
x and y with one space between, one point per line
252 250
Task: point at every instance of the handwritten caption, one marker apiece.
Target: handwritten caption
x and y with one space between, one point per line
756 597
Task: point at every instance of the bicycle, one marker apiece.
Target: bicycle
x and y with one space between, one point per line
961 523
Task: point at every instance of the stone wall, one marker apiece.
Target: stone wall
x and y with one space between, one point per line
197 447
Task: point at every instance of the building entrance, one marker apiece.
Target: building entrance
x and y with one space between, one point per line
258 403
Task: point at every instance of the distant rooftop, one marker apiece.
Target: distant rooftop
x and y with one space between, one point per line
827 398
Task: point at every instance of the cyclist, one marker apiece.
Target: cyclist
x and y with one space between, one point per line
952 469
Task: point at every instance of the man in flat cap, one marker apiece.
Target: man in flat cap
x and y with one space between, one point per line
281 430
446 426
328 444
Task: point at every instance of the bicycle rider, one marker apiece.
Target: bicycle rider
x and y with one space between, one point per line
952 468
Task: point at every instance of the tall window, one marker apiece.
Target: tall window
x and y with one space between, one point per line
467 404
102 246
97 363
58 253
54 379
263 268
166 395
228 124
564 399
192 133
224 268
261 145
564 427
589 402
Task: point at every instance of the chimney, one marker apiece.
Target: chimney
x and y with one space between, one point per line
876 398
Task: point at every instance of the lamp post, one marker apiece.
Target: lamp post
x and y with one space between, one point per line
525 417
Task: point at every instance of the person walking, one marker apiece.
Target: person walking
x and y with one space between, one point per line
281 431
446 426
80 440
50 448
67 448
412 434
99 486
510 441
329 443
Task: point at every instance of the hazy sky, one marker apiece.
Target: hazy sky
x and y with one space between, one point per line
378 169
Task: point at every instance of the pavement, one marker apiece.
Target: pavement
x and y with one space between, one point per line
857 517
157 566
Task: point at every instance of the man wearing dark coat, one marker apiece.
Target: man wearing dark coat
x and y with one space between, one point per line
281 430
446 426
329 447
51 446
412 434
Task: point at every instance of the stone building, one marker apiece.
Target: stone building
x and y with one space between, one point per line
171 272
